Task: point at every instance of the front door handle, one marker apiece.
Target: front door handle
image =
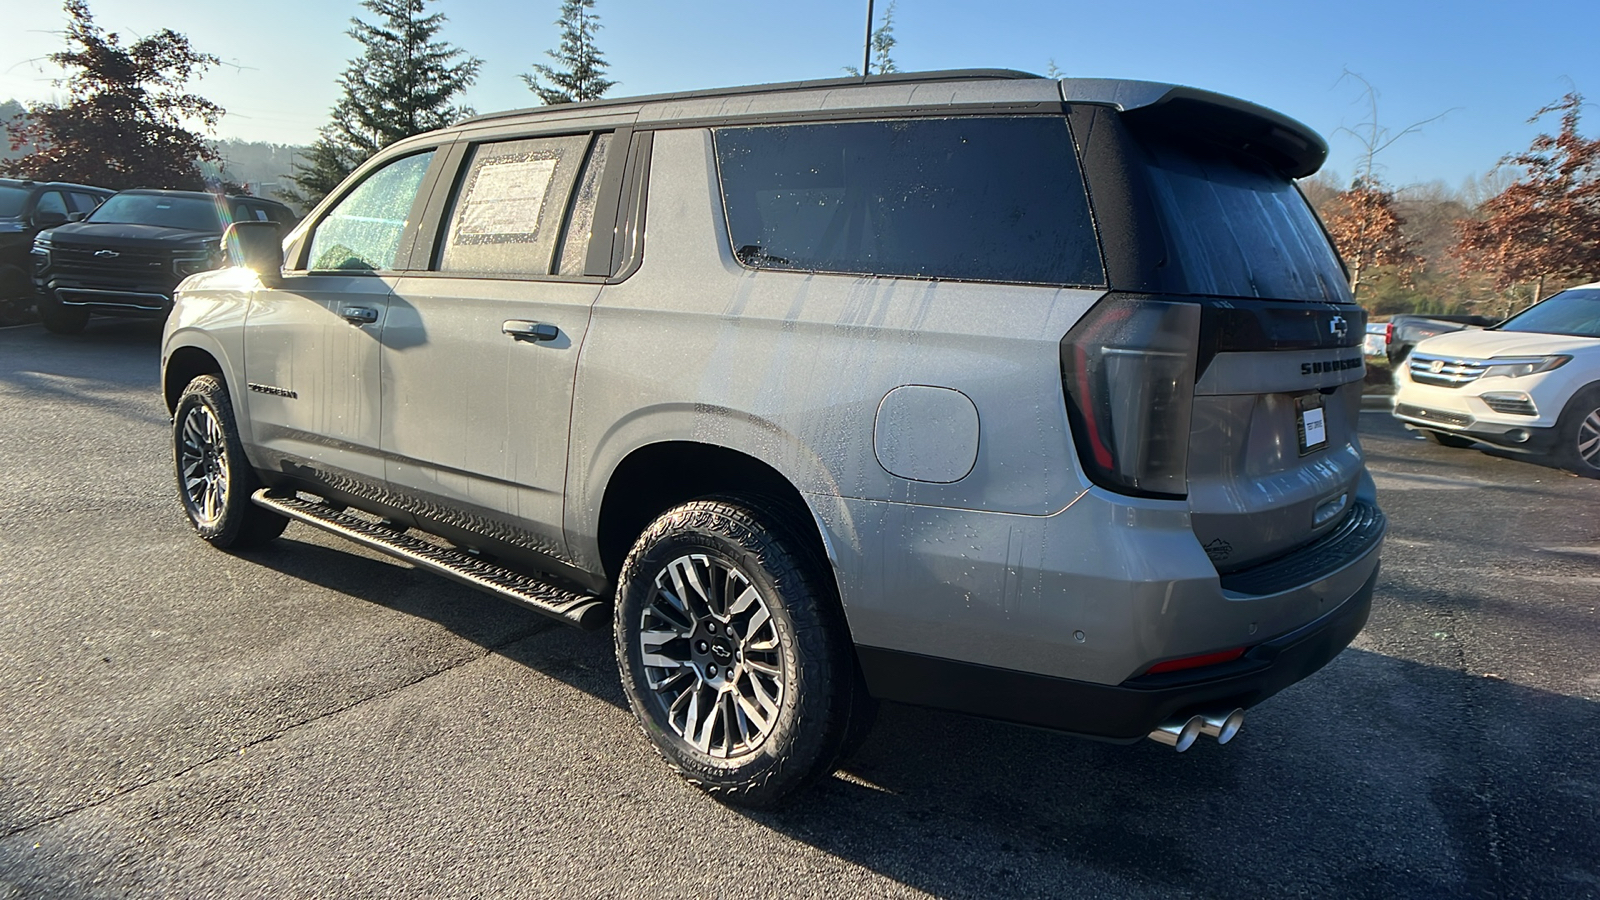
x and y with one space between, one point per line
523 330
359 315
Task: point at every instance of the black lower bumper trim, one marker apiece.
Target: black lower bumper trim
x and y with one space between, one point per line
1124 712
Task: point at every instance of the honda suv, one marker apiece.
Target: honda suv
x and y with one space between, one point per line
1030 399
127 256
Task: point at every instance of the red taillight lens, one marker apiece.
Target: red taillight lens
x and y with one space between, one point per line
1128 369
1195 662
1388 333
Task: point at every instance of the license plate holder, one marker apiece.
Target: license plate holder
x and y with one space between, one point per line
1311 422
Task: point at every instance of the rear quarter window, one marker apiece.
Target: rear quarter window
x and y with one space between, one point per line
965 198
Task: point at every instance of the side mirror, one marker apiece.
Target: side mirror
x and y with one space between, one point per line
49 218
257 246
76 217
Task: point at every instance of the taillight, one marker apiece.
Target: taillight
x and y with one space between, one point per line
1388 333
1128 369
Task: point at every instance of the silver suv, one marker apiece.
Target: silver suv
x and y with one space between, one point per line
1030 399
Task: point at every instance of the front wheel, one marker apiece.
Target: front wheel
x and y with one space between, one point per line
215 480
734 653
1578 434
60 319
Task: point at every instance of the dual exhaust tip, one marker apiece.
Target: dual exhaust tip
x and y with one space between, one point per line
1180 733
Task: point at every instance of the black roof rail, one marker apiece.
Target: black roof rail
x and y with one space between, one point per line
847 81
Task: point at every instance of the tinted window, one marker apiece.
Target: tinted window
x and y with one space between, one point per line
164 210
1575 312
508 208
12 200
51 202
362 232
86 202
1239 229
983 199
575 246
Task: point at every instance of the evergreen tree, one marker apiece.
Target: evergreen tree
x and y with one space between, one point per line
125 123
582 76
402 85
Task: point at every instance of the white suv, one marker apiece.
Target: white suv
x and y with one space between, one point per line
1531 383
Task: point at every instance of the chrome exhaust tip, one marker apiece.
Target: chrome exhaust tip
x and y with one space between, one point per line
1222 726
1179 734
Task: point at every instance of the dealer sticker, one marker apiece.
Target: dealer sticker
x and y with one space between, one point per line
1312 424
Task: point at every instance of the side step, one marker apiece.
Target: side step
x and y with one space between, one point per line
583 610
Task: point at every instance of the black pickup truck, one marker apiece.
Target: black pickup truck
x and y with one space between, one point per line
127 256
1404 331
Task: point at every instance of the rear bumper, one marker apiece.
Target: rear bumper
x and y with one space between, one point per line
1124 712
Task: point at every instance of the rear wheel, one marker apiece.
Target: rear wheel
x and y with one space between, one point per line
734 654
1449 440
215 480
1578 434
59 319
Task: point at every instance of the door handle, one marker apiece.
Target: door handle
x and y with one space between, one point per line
522 330
359 315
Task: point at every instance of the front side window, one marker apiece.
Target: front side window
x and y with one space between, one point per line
966 198
86 202
508 209
51 202
363 231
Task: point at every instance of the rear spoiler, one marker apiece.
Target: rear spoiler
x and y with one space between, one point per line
1283 143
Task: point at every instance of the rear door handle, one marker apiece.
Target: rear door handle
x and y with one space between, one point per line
359 315
523 330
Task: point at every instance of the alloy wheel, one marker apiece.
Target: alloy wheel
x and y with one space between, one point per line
203 465
713 656
1589 439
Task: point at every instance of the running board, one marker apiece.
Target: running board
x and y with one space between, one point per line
583 610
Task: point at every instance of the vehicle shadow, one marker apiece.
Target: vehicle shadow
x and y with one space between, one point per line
1378 777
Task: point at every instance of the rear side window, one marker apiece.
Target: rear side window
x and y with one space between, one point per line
1239 229
963 198
510 204
363 231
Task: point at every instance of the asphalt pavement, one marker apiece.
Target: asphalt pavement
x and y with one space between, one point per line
313 720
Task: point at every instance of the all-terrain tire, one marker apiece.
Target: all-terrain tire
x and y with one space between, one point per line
725 580
215 479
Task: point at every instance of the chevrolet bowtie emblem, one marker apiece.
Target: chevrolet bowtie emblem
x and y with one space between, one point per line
1338 326
107 254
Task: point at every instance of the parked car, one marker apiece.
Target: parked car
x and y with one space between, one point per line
27 207
126 257
1404 331
1033 400
1530 384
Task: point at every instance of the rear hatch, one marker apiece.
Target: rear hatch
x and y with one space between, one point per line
1255 426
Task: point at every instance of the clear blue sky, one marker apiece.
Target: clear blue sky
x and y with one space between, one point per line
1491 64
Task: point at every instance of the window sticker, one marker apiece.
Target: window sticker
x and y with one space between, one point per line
505 200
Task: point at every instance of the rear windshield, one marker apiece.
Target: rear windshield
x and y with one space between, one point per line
1575 312
964 198
12 199
1239 229
189 213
